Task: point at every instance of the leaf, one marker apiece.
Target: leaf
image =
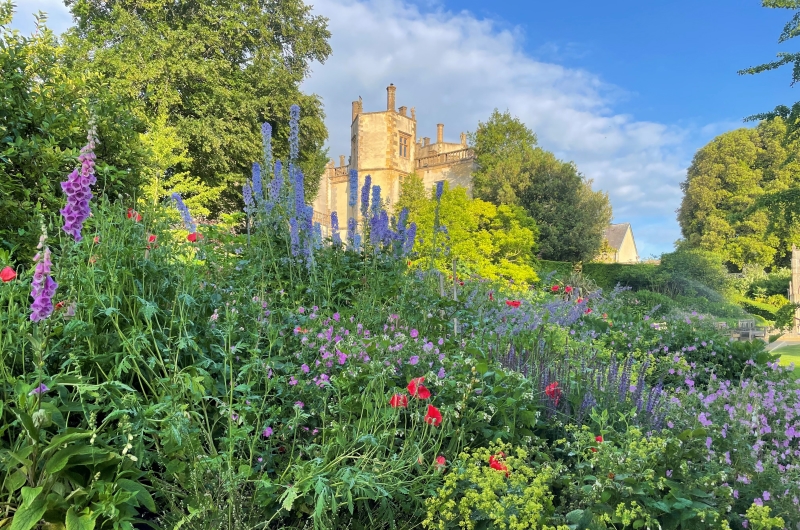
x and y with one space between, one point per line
30 513
85 521
289 498
60 439
15 481
142 495
60 459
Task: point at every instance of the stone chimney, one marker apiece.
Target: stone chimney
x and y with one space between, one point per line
341 160
426 140
413 113
331 163
464 139
390 97
358 108
439 133
402 111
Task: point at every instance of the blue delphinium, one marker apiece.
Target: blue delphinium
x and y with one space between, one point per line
294 234
317 240
247 194
376 199
337 239
353 183
277 183
351 231
266 141
439 190
402 221
294 132
411 234
365 195
258 186
299 190
185 215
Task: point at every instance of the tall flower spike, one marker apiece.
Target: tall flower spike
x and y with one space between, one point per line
439 190
365 195
295 236
294 132
258 185
247 194
337 239
353 188
411 234
351 231
299 191
376 199
266 141
77 188
185 215
43 287
276 184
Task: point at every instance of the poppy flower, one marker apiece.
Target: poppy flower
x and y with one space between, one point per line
417 389
433 416
568 289
61 304
512 303
598 439
491 296
588 310
440 461
579 300
7 274
96 240
399 400
133 214
555 288
494 463
194 236
460 283
553 392
151 238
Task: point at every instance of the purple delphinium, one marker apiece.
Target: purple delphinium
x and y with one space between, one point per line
353 188
277 182
411 234
402 221
185 215
247 194
299 190
78 190
439 190
295 236
351 230
266 141
43 287
294 132
258 186
376 199
365 195
337 239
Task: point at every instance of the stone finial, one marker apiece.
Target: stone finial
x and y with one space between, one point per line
402 111
331 163
341 160
413 113
464 139
439 133
390 90
426 140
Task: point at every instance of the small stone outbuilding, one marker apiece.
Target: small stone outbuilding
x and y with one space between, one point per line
619 245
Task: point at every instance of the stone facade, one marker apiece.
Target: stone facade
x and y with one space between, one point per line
619 245
385 146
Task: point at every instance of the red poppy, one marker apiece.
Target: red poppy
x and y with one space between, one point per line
555 288
588 310
553 392
7 274
417 389
433 416
151 238
579 300
494 463
512 303
194 236
440 461
61 304
598 439
399 400
568 289
133 214
461 283
491 296
96 240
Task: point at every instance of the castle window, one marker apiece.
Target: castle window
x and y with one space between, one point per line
403 146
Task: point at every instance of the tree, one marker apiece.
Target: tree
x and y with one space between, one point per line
494 242
511 170
45 110
727 184
216 71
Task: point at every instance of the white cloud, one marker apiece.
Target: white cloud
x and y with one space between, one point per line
58 17
455 69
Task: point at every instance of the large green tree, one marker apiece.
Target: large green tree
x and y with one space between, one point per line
45 109
724 186
512 170
216 71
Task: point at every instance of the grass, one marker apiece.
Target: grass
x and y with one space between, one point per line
790 354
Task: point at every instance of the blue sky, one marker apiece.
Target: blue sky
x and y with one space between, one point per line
627 90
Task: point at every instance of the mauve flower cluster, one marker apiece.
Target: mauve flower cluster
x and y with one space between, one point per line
78 190
43 287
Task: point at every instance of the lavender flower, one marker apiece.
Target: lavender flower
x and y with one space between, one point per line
294 132
43 287
353 188
266 141
185 215
337 239
439 190
365 195
78 190
258 186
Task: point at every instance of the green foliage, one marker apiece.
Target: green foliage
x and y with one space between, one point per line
494 242
723 187
46 107
216 73
570 215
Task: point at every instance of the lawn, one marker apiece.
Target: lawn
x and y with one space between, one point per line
790 354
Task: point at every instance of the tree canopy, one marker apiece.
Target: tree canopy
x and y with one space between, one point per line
214 71
725 186
512 170
495 242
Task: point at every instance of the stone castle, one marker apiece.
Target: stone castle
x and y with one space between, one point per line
384 144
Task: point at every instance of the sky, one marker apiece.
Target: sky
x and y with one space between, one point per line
629 91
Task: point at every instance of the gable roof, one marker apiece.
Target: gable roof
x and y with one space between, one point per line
615 234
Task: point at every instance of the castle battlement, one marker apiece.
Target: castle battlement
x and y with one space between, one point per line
384 145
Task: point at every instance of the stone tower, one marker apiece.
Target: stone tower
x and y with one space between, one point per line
794 288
